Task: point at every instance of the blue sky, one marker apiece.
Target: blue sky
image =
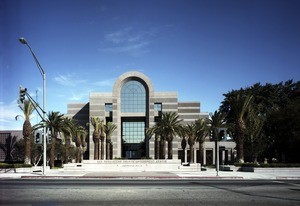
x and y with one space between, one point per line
202 49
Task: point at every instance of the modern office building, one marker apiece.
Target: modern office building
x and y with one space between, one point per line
133 106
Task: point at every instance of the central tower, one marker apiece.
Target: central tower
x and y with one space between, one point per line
133 111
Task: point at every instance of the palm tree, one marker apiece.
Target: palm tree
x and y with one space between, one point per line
69 132
153 131
27 109
109 129
165 129
239 104
202 131
80 134
216 121
170 127
95 121
191 134
182 134
55 124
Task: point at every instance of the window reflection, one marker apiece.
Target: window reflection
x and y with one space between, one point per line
133 97
133 132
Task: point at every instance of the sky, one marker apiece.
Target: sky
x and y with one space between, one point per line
200 49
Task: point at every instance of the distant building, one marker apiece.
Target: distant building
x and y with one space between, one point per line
133 106
7 140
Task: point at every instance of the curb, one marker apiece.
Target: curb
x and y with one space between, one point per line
130 178
288 178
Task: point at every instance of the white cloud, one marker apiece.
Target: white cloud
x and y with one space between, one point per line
120 36
78 96
69 80
105 83
8 112
126 48
129 40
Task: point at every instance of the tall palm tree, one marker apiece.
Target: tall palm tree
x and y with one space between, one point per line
109 129
182 134
202 131
55 124
153 131
80 134
216 121
239 104
96 122
27 109
69 133
191 134
170 127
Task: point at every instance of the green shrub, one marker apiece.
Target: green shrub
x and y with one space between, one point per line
15 165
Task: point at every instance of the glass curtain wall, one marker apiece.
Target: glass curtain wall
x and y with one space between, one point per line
133 100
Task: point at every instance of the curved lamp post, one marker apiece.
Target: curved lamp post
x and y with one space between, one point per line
42 71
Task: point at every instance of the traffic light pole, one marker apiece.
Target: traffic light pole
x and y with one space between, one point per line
23 41
44 126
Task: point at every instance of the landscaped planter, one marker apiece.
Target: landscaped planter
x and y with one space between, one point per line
24 169
246 169
269 169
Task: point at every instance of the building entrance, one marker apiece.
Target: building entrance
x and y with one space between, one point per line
133 138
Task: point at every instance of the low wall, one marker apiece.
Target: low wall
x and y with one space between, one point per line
125 165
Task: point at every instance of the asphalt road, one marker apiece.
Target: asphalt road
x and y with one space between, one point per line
148 192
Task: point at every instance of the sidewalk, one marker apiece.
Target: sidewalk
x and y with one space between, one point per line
209 174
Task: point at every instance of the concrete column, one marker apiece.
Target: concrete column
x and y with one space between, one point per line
214 156
204 156
151 149
175 149
91 145
223 156
195 155
104 149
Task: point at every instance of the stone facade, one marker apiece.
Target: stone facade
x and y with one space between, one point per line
109 107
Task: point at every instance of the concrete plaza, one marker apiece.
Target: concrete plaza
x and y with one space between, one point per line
208 174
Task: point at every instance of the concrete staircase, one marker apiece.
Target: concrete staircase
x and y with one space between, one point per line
131 165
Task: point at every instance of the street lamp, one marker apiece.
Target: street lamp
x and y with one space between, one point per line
23 41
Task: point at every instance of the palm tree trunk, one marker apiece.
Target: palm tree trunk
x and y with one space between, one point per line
170 149
78 158
191 153
96 149
107 150
27 151
67 150
240 149
163 149
201 149
27 131
52 152
240 127
102 148
157 149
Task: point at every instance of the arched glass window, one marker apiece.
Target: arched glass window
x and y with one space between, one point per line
133 97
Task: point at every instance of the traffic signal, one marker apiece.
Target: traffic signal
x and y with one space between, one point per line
49 138
221 134
38 137
22 92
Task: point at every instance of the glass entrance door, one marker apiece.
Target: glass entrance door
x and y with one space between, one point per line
133 139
